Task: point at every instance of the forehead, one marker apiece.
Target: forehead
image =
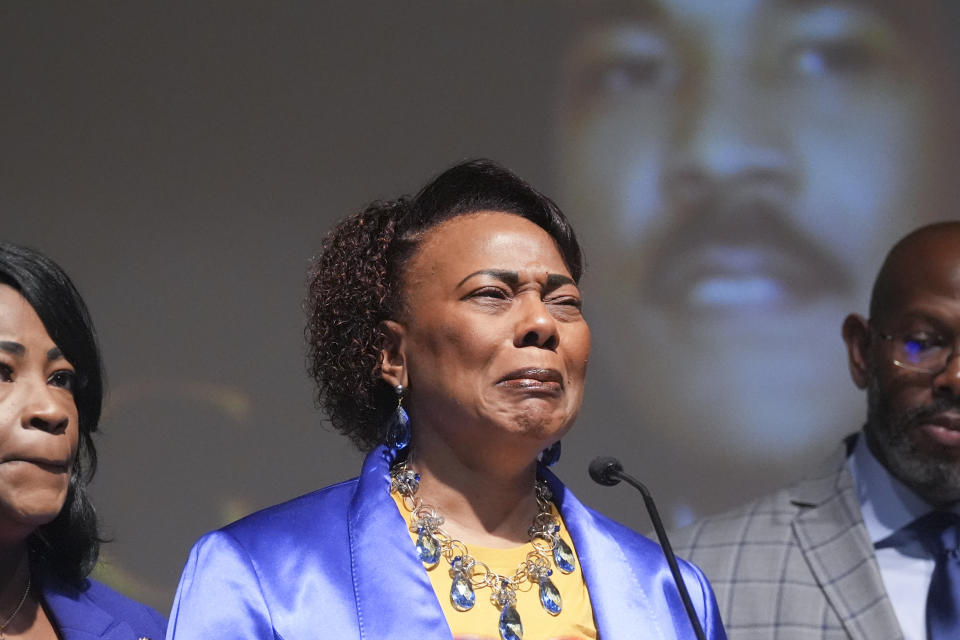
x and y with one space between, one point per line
926 277
15 311
485 240
724 23
18 318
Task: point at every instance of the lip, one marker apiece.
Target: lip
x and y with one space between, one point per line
947 420
942 429
739 254
52 466
533 379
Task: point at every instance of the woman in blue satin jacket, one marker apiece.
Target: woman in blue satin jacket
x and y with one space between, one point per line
447 341
50 395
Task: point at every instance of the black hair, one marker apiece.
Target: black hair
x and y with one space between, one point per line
356 283
68 546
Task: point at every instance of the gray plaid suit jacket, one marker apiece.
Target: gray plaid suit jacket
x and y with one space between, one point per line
795 565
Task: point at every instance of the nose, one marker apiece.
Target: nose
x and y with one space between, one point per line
536 327
44 410
947 382
729 129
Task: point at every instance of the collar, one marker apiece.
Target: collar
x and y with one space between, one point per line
377 530
886 503
79 617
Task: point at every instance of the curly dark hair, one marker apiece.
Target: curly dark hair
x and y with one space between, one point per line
68 546
356 283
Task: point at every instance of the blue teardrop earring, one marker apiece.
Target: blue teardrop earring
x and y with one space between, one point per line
549 456
398 427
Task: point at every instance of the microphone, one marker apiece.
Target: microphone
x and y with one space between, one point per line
604 470
608 472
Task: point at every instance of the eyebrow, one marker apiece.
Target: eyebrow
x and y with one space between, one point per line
512 278
17 349
14 348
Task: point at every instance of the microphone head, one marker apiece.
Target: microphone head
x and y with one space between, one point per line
604 470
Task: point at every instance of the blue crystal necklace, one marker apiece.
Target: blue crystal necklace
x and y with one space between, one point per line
469 574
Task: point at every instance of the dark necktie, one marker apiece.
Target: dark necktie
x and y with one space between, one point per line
939 532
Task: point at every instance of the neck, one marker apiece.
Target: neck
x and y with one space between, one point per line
490 505
13 565
14 576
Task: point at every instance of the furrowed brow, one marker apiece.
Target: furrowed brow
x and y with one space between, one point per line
510 277
555 280
13 348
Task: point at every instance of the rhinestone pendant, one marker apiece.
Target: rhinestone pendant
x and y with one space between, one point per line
461 594
510 626
563 556
428 548
550 597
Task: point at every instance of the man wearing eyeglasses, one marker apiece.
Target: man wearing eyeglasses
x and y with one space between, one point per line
866 546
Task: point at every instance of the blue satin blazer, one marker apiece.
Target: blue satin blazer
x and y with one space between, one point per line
339 563
99 612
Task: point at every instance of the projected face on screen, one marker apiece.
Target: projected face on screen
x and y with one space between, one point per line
738 171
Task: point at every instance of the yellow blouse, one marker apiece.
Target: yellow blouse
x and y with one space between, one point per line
574 622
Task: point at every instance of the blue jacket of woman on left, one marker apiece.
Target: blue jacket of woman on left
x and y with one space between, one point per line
100 612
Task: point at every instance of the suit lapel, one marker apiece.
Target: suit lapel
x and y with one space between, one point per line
395 598
79 618
834 542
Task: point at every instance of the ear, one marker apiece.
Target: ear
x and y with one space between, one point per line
393 359
856 333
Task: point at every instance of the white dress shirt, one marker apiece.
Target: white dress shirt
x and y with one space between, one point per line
888 506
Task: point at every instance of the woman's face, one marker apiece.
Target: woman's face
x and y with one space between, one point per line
38 420
492 342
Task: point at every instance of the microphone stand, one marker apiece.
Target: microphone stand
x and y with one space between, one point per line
608 472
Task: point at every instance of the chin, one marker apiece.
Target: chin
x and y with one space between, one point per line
31 512
932 477
935 480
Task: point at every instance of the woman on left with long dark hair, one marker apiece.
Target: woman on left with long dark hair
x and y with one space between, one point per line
51 389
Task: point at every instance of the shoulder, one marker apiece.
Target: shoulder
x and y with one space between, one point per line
94 607
737 548
611 553
331 500
138 615
284 528
769 519
630 539
773 559
642 550
245 579
766 518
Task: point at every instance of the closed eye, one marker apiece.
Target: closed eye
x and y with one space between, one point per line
490 292
567 301
565 308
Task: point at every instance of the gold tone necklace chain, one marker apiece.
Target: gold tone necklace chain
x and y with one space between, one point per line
23 598
469 574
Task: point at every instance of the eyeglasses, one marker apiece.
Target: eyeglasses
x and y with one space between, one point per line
921 351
